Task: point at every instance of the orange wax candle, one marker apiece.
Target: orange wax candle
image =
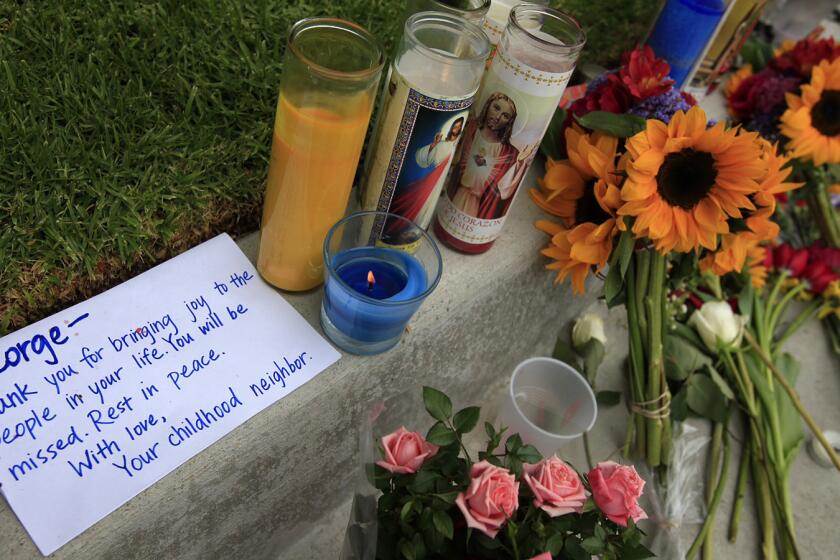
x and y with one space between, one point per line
314 156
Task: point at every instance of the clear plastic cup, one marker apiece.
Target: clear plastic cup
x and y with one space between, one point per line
548 403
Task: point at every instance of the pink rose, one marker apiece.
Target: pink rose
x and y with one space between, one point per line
556 486
616 490
405 452
543 556
490 500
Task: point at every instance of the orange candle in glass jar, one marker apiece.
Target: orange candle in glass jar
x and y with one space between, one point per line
314 155
331 71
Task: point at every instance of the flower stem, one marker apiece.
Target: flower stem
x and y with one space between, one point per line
653 308
824 213
586 450
806 416
710 517
711 486
740 490
636 275
800 319
776 315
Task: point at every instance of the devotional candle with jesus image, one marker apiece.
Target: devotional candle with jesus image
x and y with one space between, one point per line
518 97
431 85
330 74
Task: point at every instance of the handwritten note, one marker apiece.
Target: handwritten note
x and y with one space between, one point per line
102 400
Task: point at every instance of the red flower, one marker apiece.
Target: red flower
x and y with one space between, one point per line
828 255
781 198
819 275
611 96
802 58
743 100
790 259
643 74
688 98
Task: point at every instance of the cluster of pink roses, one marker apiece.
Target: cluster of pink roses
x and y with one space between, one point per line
493 494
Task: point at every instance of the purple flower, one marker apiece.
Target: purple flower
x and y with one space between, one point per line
766 124
661 107
597 82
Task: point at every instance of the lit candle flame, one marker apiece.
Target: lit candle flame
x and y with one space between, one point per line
371 280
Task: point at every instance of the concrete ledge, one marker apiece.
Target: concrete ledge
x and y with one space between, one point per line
264 486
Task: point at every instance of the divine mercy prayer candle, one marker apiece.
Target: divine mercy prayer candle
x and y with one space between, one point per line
518 97
330 75
431 86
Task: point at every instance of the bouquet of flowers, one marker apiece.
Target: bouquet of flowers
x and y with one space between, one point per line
794 98
438 502
727 340
653 204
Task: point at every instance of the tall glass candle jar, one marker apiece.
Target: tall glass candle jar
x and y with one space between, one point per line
508 120
497 18
432 83
473 11
331 72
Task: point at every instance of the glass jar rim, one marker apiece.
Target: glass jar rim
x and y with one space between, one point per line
518 11
346 26
384 215
483 7
449 20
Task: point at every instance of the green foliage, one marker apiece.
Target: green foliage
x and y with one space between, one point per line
133 130
618 125
553 139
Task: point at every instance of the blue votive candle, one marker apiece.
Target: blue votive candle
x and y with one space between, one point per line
371 292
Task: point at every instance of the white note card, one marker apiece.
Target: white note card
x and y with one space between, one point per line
101 400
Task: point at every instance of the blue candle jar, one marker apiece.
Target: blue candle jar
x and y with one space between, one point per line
372 289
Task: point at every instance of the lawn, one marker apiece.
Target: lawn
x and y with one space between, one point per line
133 130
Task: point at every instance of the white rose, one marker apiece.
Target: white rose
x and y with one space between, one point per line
587 327
716 322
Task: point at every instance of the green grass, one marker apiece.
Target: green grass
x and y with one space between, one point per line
133 130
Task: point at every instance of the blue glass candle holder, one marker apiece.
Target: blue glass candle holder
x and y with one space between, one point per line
681 32
372 289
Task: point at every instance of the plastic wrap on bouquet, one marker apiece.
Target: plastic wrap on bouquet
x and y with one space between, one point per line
678 500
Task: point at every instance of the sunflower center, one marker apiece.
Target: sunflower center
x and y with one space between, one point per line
825 115
587 208
686 177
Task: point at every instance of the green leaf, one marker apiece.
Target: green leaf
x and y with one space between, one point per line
756 52
443 523
438 404
564 352
618 125
636 552
593 545
419 546
466 419
491 431
679 405
513 444
705 399
554 544
575 551
624 251
790 423
682 358
553 139
440 434
424 481
745 300
721 383
448 497
608 398
406 510
600 533
593 355
407 550
529 454
614 287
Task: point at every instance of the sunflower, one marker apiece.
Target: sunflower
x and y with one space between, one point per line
812 120
583 192
736 251
685 180
773 182
568 188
